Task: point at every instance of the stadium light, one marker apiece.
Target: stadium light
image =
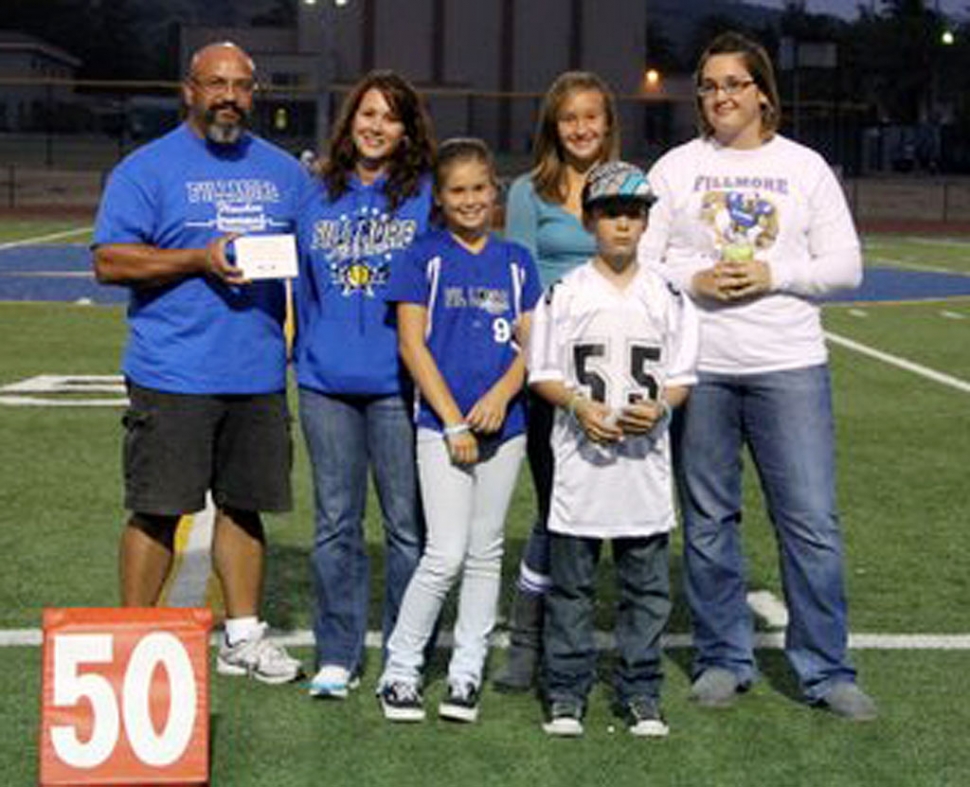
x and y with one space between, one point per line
652 80
281 119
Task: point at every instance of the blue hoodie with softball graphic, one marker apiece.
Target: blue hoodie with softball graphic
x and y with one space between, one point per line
346 339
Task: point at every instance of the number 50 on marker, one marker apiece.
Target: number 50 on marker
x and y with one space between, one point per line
125 697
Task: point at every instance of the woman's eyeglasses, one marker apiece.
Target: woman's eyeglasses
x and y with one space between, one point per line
730 87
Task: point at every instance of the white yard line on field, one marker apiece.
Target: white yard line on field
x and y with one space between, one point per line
13 244
23 393
13 638
40 401
901 363
946 241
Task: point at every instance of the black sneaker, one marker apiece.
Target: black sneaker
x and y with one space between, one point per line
461 704
565 719
643 718
402 701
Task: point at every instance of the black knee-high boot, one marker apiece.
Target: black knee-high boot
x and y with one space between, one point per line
525 643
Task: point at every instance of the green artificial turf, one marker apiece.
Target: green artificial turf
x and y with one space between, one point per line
902 449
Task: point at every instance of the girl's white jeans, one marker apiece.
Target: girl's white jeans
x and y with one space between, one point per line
465 509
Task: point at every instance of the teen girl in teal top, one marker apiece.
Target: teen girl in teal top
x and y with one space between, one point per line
577 129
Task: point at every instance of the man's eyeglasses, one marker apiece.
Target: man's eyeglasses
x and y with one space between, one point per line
220 85
730 87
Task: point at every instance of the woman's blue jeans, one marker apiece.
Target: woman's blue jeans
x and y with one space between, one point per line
785 420
345 435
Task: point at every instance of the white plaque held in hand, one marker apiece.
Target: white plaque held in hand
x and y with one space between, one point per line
266 256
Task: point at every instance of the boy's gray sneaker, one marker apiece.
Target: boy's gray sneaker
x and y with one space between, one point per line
259 658
565 719
847 700
644 719
715 688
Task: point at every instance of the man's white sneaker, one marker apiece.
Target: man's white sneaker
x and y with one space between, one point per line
258 657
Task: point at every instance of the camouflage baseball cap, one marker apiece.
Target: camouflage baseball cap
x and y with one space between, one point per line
617 181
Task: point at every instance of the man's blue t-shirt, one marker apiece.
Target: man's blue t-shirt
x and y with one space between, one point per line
198 335
473 302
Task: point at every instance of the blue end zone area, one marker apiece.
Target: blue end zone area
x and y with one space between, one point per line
60 272
893 284
63 272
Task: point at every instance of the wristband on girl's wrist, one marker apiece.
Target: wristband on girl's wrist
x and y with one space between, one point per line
456 429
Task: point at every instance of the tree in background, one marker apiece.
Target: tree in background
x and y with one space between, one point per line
104 35
133 39
902 60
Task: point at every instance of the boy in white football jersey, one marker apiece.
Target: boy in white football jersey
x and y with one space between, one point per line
613 348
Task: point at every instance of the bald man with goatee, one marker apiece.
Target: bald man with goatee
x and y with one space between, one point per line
205 363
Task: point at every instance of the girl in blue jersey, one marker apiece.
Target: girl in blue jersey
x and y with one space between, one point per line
464 299
371 200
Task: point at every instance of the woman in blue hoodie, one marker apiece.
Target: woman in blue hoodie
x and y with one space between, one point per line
371 200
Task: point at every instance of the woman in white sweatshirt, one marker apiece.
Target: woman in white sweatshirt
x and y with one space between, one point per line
754 226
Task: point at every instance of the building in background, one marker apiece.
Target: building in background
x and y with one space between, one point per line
484 64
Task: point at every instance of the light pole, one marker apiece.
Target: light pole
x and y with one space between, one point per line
316 22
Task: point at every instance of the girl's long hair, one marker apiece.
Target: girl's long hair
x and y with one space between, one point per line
548 155
414 155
